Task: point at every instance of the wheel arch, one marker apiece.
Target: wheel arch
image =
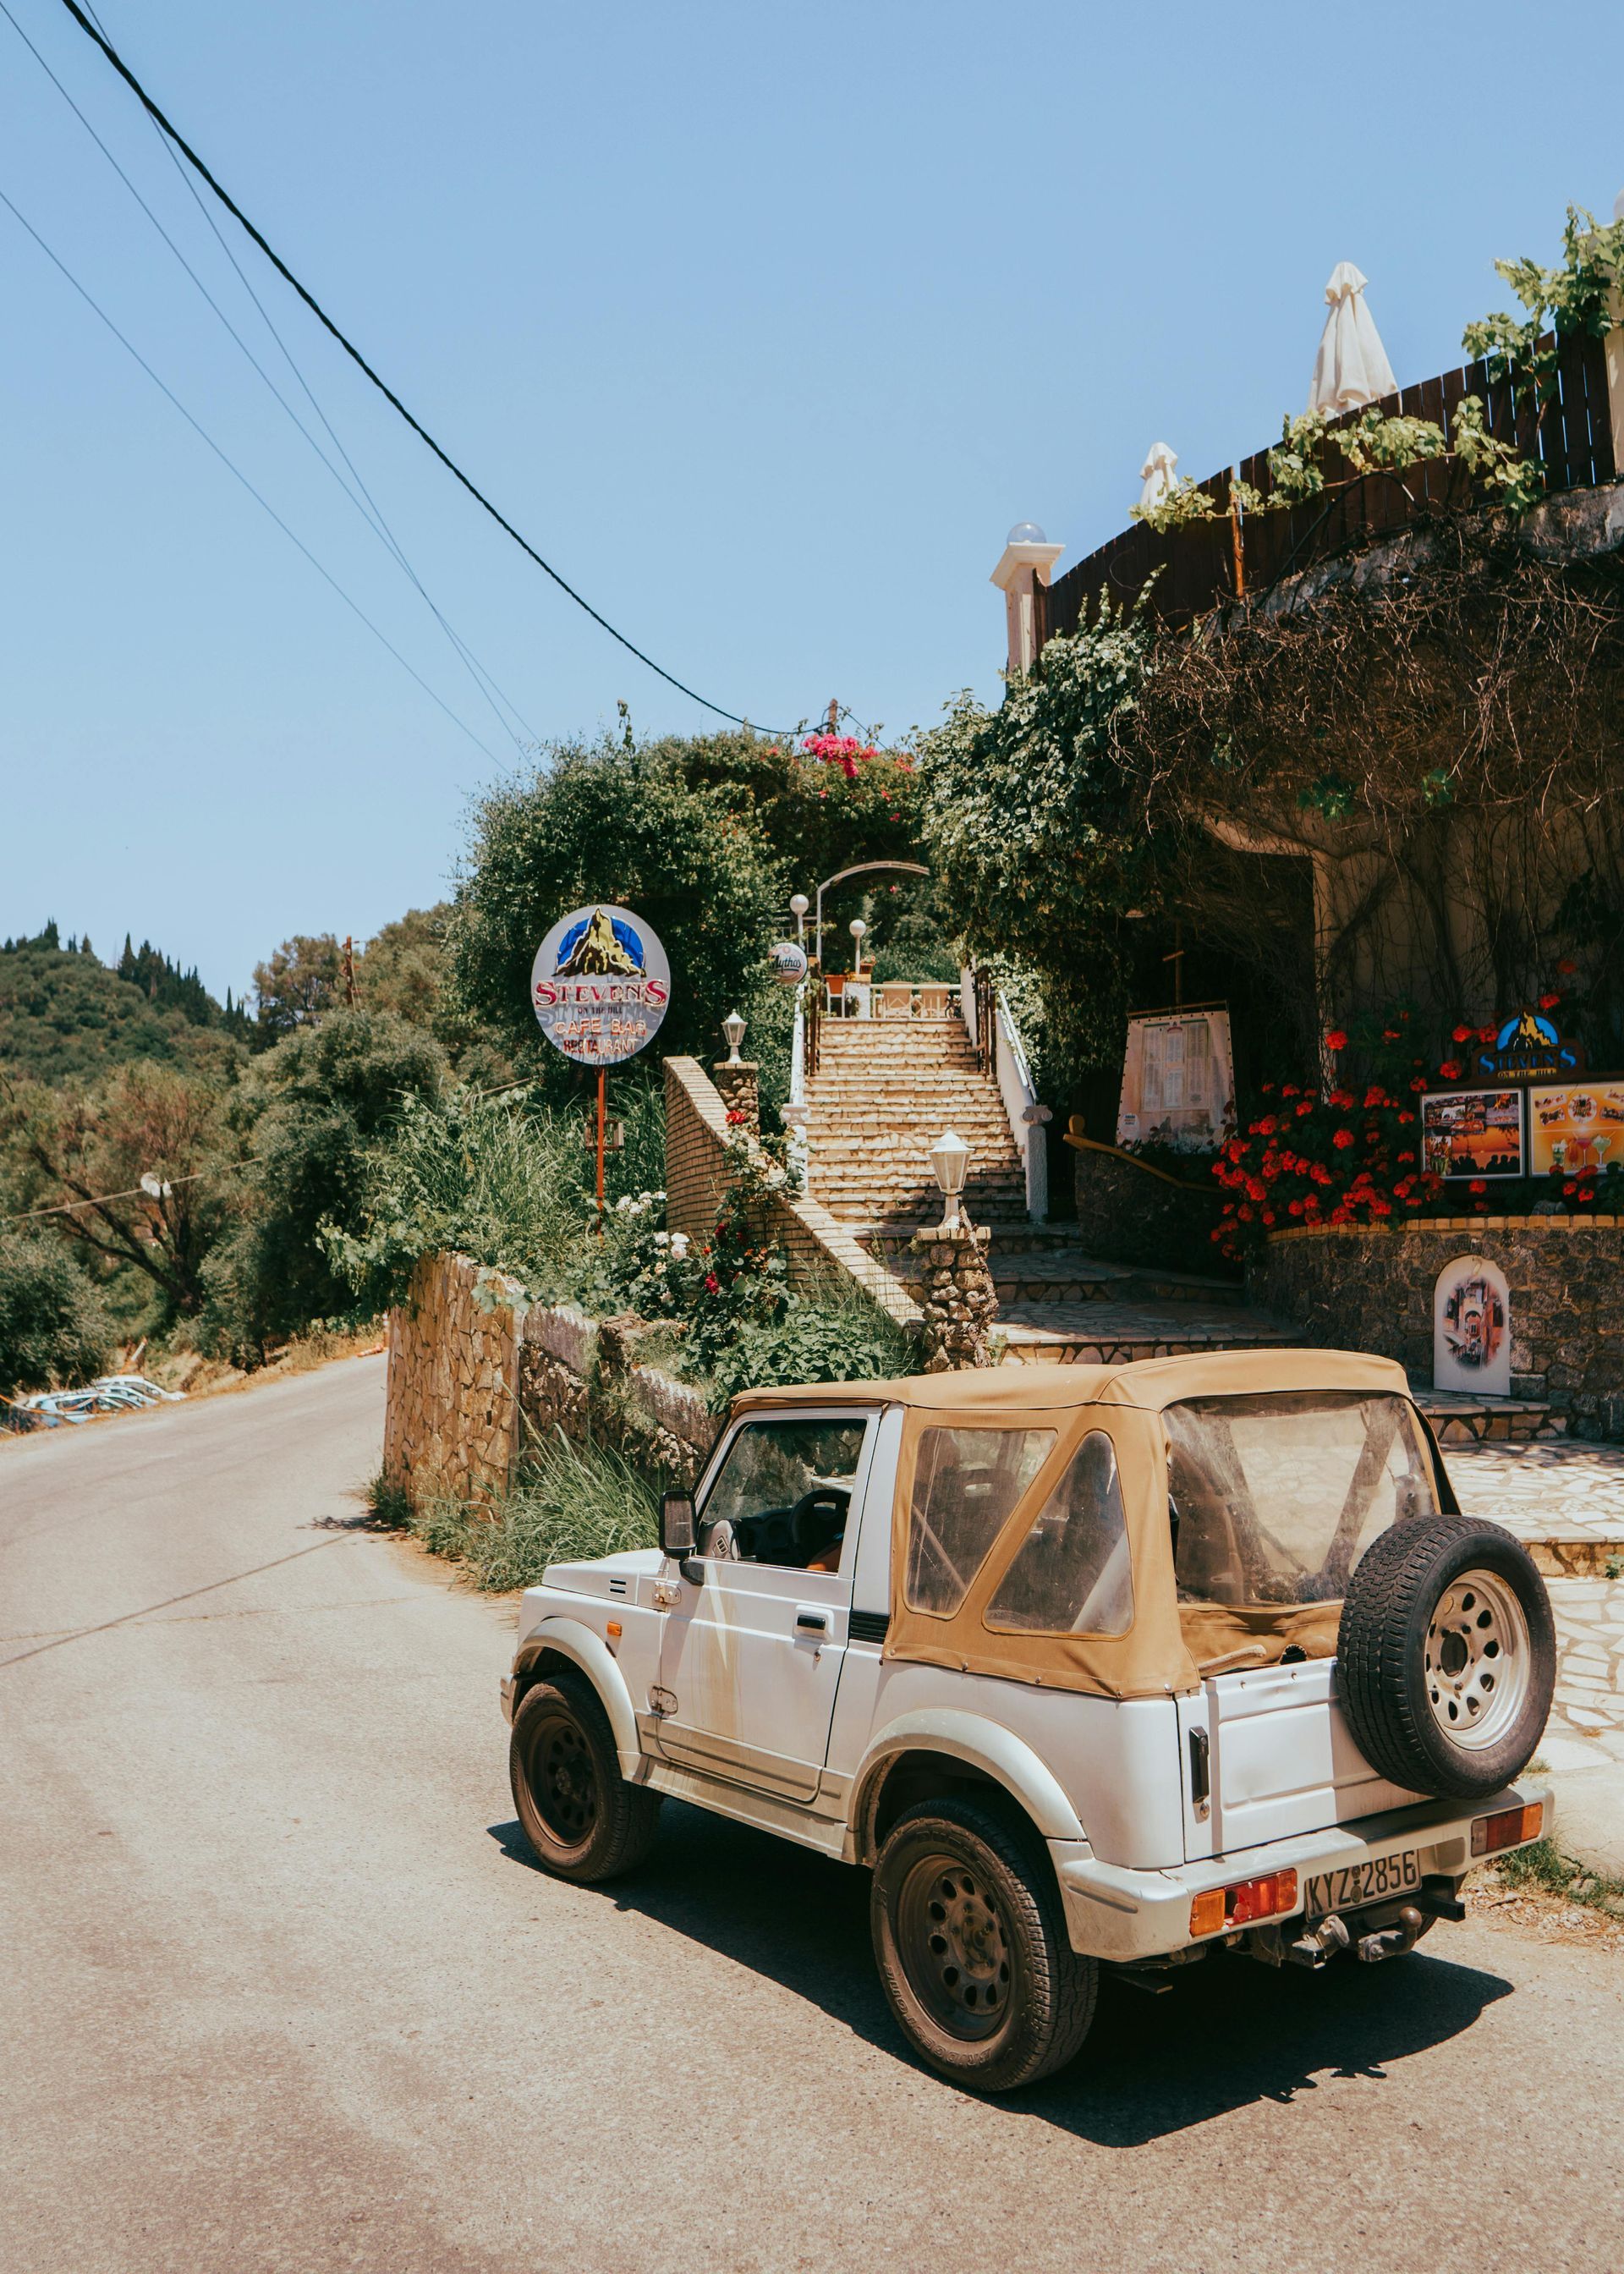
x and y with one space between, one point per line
939 1750
560 1643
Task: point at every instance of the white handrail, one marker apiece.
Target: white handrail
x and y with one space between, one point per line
795 1113
1025 1115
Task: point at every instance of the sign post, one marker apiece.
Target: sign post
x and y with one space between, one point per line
599 986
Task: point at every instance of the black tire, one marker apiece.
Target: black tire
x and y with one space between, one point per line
1410 1613
581 1819
970 1940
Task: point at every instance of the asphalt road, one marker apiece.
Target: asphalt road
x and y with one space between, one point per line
279 1991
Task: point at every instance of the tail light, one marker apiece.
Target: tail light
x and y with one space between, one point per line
1509 1829
1218 1909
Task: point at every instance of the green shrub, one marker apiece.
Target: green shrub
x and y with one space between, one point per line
832 1332
569 1503
387 1504
54 1325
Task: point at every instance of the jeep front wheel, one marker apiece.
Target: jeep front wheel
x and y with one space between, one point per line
581 1819
971 1944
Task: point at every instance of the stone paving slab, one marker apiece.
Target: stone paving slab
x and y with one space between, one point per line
1555 1490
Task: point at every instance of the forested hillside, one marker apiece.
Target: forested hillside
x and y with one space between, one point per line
64 1014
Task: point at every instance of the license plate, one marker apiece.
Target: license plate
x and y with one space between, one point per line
1363 1883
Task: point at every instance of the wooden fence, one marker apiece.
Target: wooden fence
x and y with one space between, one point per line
1572 441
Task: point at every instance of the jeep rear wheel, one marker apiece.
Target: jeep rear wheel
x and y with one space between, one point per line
581 1819
971 1944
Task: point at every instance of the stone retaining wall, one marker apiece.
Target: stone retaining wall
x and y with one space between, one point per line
1369 1287
475 1374
1128 1212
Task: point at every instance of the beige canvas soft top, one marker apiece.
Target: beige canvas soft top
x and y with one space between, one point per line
1166 1646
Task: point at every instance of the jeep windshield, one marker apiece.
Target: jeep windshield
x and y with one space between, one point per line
1273 1499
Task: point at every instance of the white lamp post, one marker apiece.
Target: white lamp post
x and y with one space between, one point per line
857 928
733 1028
798 906
950 1159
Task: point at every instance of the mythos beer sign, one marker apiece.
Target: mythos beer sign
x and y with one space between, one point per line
1528 1048
600 984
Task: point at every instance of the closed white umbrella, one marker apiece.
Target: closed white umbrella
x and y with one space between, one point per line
1351 368
1157 473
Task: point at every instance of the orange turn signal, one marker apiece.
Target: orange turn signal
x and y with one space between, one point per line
1509 1829
614 1626
1218 1909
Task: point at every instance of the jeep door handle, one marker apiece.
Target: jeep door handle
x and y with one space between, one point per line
812 1618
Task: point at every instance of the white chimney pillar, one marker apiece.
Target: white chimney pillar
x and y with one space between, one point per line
1027 560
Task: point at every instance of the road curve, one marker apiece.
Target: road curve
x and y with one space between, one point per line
280 1992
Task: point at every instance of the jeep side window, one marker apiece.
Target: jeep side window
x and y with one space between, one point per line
966 1485
783 1495
1074 1574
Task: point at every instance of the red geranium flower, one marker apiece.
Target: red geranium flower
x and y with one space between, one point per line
1477 1184
1549 1001
713 1285
1463 1035
1567 966
1336 1040
1342 1139
1450 1070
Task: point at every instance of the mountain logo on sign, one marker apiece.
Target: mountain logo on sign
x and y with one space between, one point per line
600 946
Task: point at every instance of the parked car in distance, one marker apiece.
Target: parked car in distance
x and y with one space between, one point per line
112 1393
1096 1668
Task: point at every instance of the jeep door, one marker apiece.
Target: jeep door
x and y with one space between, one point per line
750 1659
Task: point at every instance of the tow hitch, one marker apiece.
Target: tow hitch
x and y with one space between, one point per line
1391 1941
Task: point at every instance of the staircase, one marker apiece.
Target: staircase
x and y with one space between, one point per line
884 1091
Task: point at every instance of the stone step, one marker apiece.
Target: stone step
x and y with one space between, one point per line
1118 1333
1463 1417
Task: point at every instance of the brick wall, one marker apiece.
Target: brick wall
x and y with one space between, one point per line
818 1244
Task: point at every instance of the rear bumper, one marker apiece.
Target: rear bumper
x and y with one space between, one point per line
1125 1915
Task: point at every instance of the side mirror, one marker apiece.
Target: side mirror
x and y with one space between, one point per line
677 1534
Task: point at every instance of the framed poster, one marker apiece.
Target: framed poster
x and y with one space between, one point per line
1472 1132
1575 1126
1177 1080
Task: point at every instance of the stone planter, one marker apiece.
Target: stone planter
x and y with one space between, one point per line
1369 1287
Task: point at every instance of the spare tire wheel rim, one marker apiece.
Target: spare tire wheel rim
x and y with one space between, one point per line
1478 1658
951 1941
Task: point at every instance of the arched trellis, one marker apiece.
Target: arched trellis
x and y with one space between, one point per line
861 869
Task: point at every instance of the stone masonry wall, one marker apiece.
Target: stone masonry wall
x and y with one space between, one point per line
1369 1287
470 1384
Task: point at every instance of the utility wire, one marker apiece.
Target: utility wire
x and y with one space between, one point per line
135 1192
232 468
374 519
124 72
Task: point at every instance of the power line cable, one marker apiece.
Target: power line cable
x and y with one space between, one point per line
231 467
135 1192
374 519
124 72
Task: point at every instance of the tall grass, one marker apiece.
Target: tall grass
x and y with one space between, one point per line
569 1503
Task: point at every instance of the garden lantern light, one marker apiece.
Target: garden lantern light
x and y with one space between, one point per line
733 1028
798 906
857 928
949 1160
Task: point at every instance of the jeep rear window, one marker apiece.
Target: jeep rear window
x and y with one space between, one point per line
1273 1499
966 1484
1074 1574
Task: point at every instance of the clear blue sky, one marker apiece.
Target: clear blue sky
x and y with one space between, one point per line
766 323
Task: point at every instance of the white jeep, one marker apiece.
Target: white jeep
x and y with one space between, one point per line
1093 1667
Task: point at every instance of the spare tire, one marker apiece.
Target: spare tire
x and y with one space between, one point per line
1447 1656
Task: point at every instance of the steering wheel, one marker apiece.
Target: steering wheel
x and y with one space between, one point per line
818 1519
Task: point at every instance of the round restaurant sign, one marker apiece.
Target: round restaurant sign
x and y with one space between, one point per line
600 984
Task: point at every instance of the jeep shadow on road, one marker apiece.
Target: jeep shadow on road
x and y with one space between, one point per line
1230 2033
